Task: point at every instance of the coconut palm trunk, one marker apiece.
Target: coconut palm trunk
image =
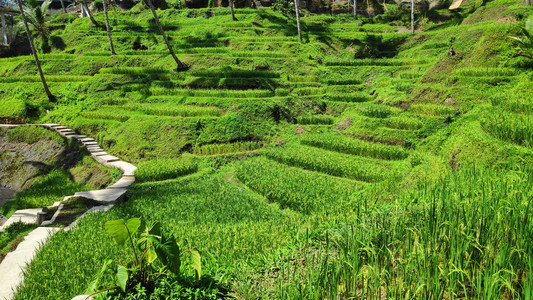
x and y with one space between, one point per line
108 29
63 6
412 16
298 20
181 66
51 97
4 30
231 8
86 7
355 9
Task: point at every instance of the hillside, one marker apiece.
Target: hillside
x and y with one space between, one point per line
363 162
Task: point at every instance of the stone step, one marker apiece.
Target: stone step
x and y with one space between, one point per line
59 128
94 148
104 196
107 159
122 183
87 139
78 137
26 216
126 168
49 125
101 153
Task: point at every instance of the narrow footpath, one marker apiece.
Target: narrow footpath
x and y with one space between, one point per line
13 265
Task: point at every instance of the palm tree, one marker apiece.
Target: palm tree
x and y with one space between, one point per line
51 97
63 6
181 66
231 8
525 45
412 16
298 20
37 17
86 7
108 29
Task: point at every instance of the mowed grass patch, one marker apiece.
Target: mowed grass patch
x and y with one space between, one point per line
350 145
300 190
334 163
161 169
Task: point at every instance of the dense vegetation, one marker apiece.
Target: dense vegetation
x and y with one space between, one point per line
360 163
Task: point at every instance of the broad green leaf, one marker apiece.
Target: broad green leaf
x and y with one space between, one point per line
197 262
169 252
133 225
155 229
117 230
150 256
122 277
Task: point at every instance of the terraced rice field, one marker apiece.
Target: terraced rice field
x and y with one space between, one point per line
300 170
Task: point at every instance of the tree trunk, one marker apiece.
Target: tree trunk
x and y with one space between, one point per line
63 6
298 20
231 8
412 16
4 30
528 2
51 97
355 9
108 29
181 66
86 7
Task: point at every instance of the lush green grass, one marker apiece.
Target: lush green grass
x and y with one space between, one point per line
13 235
161 169
210 149
345 144
334 163
229 226
510 127
44 192
32 134
297 189
467 235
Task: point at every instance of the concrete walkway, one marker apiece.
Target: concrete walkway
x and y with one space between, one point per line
26 216
13 265
11 268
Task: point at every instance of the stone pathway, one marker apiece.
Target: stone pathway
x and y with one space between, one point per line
11 268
